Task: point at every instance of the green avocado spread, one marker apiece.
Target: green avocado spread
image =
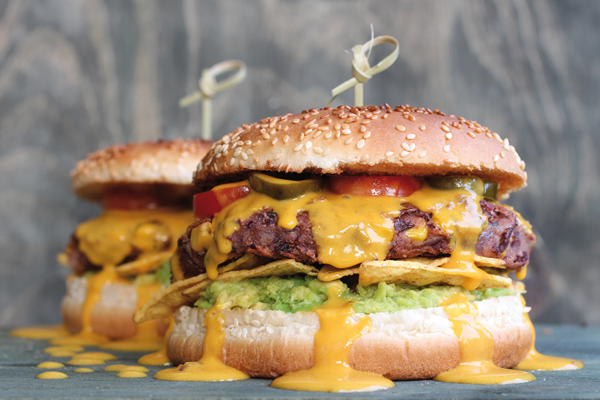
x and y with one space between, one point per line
304 293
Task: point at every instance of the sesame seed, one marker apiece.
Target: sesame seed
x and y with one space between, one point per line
488 135
497 137
405 146
364 158
422 127
367 135
449 161
318 150
298 147
266 136
317 134
337 134
522 164
496 158
478 130
273 131
445 124
423 154
286 138
400 128
308 145
249 152
363 129
346 131
412 147
447 148
295 121
273 122
274 141
226 139
471 134
244 156
404 154
360 144
326 152
365 121
502 154
324 128
248 142
448 136
506 144
328 135
337 127
256 143
278 156
345 126
349 140
232 161
445 128
389 154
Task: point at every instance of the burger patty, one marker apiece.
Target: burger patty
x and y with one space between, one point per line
260 234
79 263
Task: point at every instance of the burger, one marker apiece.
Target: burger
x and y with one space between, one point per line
349 243
118 259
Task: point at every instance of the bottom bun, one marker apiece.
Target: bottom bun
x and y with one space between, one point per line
410 344
112 316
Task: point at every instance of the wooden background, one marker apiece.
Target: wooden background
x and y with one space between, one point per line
79 75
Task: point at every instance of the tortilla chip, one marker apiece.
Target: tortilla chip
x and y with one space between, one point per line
489 262
421 272
330 273
162 303
247 261
276 268
144 265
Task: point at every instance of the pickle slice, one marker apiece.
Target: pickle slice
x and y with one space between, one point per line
471 183
283 189
490 189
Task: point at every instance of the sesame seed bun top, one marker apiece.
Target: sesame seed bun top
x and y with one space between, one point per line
140 164
374 140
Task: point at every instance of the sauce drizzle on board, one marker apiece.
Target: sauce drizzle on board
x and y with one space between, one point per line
333 341
540 362
210 368
476 349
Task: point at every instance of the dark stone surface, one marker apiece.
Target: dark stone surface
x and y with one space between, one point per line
18 358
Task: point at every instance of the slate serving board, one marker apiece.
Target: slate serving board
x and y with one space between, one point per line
18 358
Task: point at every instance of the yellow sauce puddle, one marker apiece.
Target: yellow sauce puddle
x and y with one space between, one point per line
540 362
50 365
159 357
333 341
71 348
52 375
40 332
91 358
131 374
83 370
122 367
210 368
476 349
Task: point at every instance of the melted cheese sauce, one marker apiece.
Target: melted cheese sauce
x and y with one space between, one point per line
159 357
147 337
50 365
106 241
333 341
83 370
540 362
476 349
52 375
40 332
210 368
344 238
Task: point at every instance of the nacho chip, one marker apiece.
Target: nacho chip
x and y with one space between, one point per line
275 268
421 272
144 265
489 262
247 261
161 304
330 273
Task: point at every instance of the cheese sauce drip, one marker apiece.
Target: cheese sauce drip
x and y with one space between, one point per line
159 357
540 362
146 337
106 241
40 332
349 230
476 349
210 368
333 341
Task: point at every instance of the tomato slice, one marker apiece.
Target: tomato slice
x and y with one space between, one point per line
209 203
395 186
129 200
